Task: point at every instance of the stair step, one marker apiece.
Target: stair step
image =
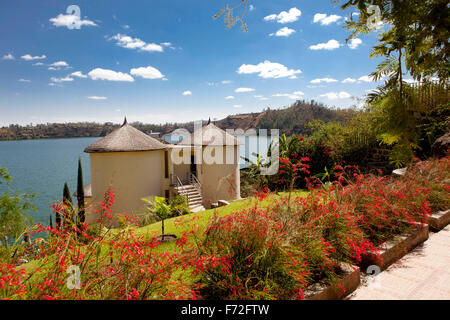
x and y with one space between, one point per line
193 195
196 202
187 186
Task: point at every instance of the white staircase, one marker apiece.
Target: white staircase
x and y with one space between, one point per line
193 195
192 191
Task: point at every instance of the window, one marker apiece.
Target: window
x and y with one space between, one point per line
166 164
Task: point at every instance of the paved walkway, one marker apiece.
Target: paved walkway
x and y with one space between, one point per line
423 274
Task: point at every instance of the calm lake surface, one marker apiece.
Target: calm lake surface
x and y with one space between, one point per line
42 166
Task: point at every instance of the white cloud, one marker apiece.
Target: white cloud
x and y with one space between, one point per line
24 80
152 47
8 56
126 26
128 42
229 97
325 19
355 43
59 80
96 98
251 7
78 74
38 64
237 106
268 69
285 17
226 81
187 93
327 80
168 44
110 75
330 45
283 32
29 57
294 96
260 97
349 80
240 90
59 64
70 21
336 95
147 73
366 79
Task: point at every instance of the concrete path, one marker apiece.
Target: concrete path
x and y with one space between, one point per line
422 274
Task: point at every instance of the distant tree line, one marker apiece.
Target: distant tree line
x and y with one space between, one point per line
75 130
290 120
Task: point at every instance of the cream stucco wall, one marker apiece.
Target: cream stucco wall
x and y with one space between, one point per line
132 175
220 181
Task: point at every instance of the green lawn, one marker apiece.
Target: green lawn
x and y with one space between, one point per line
180 225
204 216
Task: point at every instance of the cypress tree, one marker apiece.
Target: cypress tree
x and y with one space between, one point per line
67 198
51 222
80 196
58 220
67 203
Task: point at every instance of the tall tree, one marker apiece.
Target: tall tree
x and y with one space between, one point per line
417 30
80 196
413 39
67 204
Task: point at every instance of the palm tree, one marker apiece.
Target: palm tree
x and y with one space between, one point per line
159 208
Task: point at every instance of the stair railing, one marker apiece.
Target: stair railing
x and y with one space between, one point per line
194 181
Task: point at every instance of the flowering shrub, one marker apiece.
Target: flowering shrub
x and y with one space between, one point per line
435 175
248 259
291 170
385 206
112 265
274 252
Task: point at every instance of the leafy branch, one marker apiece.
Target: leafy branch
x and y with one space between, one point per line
230 19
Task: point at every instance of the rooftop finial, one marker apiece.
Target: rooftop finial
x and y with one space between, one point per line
125 121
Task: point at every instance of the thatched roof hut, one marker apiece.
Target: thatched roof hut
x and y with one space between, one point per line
211 136
125 139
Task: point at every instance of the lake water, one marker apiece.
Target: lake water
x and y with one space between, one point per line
42 166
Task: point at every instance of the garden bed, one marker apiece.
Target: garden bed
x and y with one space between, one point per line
439 220
391 251
349 280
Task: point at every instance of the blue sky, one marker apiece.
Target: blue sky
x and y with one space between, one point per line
169 60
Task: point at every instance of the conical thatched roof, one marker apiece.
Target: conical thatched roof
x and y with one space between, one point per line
211 136
125 139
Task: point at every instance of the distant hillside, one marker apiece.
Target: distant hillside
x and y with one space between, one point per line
289 120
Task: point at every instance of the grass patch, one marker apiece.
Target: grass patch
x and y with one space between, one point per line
175 225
